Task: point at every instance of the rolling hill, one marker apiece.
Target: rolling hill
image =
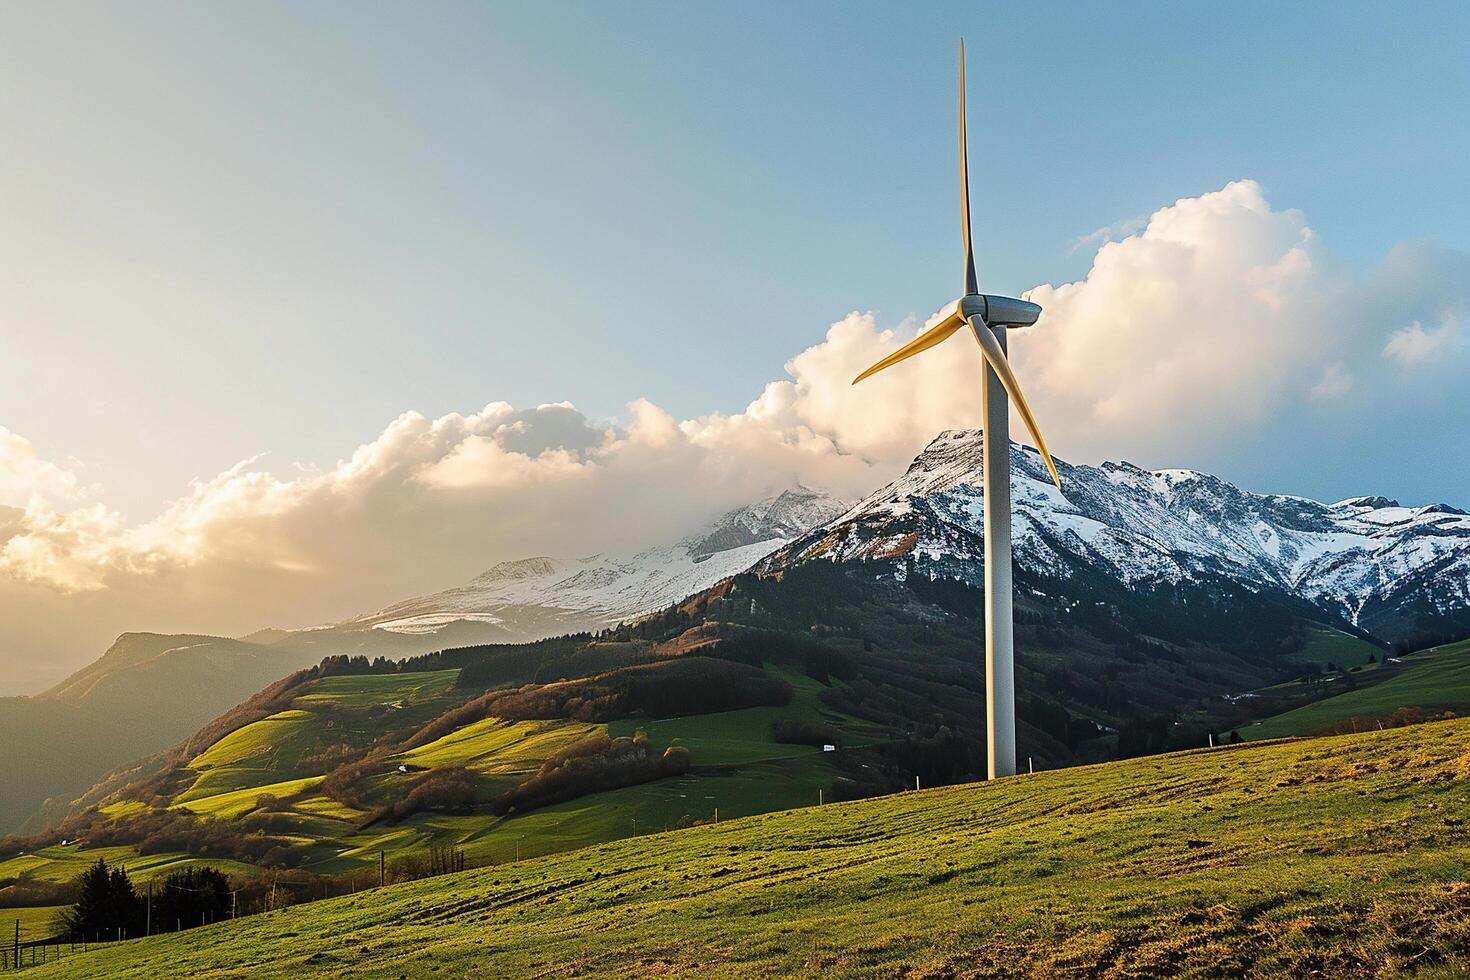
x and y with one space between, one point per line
1341 857
1436 679
331 768
472 748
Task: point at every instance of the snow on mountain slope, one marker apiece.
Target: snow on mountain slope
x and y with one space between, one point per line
549 595
1367 559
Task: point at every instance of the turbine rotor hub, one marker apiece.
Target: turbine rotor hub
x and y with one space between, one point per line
999 311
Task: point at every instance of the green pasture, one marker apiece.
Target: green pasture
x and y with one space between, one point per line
1333 857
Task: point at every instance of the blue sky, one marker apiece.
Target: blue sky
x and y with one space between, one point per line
344 210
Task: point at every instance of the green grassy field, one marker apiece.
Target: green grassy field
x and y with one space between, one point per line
266 756
1336 857
497 746
735 737
62 863
35 923
1437 679
360 691
628 812
1333 646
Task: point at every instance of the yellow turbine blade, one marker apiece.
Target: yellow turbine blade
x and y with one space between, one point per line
996 357
934 335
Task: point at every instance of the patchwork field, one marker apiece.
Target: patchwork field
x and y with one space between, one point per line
1338 857
268 769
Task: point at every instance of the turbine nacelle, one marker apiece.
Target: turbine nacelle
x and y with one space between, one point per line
999 311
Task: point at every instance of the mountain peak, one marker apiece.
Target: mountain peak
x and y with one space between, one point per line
782 516
518 569
1371 502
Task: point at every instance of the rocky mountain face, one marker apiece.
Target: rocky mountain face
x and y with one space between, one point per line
1399 573
783 517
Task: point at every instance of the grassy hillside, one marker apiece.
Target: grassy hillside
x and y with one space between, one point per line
149 690
493 750
1339 857
1437 679
301 777
1324 645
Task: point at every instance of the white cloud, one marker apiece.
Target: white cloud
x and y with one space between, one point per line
1414 344
1335 382
26 477
1194 327
1107 233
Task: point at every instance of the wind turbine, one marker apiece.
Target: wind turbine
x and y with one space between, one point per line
989 317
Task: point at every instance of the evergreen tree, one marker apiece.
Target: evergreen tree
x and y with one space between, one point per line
189 898
107 905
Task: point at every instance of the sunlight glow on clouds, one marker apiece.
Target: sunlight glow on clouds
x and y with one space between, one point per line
1198 326
25 476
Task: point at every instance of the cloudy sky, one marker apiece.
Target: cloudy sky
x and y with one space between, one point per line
305 309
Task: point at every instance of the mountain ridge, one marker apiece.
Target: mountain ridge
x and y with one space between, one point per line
1399 573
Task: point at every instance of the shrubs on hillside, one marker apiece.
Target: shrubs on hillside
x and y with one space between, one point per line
804 732
343 783
756 646
593 765
444 790
253 838
1400 718
20 893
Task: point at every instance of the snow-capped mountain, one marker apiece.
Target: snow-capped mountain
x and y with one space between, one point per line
534 597
1397 572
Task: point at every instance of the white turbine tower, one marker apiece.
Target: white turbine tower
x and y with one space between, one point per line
988 318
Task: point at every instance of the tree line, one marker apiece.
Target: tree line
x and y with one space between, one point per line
110 907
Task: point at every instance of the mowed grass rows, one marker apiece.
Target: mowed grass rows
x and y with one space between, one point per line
1340 857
